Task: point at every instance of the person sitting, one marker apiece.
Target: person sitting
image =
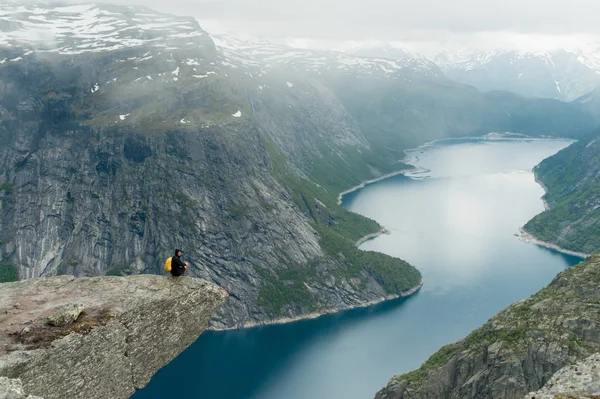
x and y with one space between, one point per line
178 267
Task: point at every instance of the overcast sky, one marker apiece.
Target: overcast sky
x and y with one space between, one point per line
545 22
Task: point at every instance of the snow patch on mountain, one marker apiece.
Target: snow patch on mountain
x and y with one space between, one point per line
264 56
77 29
560 74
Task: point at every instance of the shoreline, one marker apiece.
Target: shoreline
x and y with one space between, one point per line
370 181
529 238
371 236
324 312
492 136
538 181
524 236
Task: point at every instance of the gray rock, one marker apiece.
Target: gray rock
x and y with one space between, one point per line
581 380
13 389
132 327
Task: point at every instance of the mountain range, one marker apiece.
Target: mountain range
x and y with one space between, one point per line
129 133
563 74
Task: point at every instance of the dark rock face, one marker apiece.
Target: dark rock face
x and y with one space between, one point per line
518 350
132 327
87 202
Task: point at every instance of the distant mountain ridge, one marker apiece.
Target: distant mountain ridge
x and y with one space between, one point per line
561 74
268 55
564 74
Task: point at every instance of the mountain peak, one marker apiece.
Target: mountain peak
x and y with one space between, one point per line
82 28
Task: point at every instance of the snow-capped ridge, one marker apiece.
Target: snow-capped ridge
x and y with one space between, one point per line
265 55
76 29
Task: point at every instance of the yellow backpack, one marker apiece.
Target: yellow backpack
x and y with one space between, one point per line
168 265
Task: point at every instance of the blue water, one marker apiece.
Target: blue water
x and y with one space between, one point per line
455 220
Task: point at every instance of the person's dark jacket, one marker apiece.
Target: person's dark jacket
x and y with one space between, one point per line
177 266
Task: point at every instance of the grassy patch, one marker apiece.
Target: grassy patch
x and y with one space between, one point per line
8 273
7 188
43 336
393 274
287 287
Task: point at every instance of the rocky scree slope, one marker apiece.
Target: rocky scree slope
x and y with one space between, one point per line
572 181
518 350
130 134
121 330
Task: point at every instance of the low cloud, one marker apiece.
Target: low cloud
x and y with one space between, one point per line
414 21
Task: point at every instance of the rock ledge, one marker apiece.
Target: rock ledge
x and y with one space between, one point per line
130 327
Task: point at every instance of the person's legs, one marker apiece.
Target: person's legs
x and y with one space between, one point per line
176 273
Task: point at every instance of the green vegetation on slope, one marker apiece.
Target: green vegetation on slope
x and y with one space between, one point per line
6 188
287 288
572 180
394 275
338 229
8 273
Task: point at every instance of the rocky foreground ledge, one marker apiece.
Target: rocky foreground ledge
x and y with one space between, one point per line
519 350
97 337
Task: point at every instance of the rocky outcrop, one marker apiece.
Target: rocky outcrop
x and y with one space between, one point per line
518 350
130 327
13 389
579 381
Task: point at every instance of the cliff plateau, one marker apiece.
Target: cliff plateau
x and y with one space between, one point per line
124 330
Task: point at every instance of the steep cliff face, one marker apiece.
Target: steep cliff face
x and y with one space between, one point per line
572 181
518 350
130 327
133 134
117 155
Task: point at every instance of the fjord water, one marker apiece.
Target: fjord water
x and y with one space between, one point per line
455 220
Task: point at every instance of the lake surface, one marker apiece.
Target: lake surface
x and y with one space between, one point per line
455 220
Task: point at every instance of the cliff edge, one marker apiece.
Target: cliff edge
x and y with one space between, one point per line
98 337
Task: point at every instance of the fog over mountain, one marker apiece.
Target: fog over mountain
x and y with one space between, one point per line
538 23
